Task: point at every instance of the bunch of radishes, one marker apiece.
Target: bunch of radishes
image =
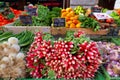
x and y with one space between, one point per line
111 56
44 56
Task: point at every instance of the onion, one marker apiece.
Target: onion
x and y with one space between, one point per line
5 59
6 50
2 66
5 44
19 71
12 55
13 40
16 47
20 55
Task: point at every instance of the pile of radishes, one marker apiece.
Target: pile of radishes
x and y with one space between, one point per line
12 63
111 58
44 56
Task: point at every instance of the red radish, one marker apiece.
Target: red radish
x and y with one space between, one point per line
59 58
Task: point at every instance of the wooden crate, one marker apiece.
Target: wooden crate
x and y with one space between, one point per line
62 31
18 29
58 30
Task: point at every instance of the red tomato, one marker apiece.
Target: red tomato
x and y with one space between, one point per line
110 20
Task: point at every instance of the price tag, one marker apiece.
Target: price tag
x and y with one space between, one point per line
59 22
96 9
113 32
26 19
101 16
32 11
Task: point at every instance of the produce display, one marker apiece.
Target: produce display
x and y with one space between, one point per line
12 63
44 17
4 21
25 38
71 18
116 17
71 56
75 56
79 10
16 12
89 23
110 55
75 18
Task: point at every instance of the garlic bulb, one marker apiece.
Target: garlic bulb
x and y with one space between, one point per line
13 40
20 55
6 50
18 70
12 55
16 47
5 59
2 66
5 44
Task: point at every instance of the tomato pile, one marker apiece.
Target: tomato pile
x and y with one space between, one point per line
4 21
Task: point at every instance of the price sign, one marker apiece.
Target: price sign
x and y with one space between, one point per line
96 9
31 11
59 22
101 16
113 32
26 19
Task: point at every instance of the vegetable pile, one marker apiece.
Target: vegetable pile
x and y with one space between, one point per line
116 17
89 22
44 17
12 63
25 38
111 55
79 10
71 18
4 21
73 57
16 12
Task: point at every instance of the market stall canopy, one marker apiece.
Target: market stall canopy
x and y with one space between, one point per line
84 3
117 4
